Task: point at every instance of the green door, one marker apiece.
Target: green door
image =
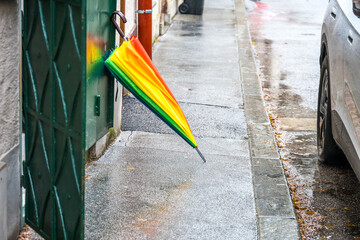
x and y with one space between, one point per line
63 93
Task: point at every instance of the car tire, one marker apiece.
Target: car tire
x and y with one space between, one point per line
184 8
328 150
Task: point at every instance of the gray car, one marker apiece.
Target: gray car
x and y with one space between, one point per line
338 120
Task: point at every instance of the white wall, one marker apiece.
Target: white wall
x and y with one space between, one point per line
172 7
156 15
163 13
131 7
9 115
9 75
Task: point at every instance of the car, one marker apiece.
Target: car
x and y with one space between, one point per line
338 114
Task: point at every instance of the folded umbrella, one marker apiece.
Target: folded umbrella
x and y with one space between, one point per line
133 68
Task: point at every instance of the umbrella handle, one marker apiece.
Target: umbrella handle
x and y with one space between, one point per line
113 20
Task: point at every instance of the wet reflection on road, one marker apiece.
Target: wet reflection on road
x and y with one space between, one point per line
286 39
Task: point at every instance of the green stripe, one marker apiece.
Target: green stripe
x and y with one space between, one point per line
138 93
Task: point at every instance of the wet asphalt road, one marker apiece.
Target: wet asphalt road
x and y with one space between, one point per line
286 39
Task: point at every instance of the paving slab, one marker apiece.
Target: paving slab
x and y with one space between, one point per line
262 141
271 190
253 115
278 228
251 84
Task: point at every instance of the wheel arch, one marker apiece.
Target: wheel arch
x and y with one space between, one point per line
323 49
336 122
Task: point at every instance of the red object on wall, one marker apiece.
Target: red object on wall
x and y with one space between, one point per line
145 25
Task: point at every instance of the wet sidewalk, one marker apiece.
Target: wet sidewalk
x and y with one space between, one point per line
150 184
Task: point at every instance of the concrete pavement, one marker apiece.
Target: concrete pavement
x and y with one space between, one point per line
151 185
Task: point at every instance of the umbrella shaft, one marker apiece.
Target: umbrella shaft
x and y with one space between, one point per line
202 156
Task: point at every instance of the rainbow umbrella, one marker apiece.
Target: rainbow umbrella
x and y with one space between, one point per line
133 68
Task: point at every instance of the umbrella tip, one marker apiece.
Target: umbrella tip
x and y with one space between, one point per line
202 156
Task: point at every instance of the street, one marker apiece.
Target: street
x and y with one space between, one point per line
286 40
246 75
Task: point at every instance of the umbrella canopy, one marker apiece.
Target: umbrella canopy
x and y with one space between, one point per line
133 68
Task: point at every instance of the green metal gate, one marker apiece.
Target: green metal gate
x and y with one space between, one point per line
68 105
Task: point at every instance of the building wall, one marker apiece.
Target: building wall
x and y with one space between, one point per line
9 117
130 26
163 13
9 75
156 15
173 7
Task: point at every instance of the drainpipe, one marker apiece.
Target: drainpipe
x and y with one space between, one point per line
122 24
145 24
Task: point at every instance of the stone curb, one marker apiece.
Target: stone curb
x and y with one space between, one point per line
274 208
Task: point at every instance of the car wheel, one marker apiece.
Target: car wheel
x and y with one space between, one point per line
328 150
184 8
